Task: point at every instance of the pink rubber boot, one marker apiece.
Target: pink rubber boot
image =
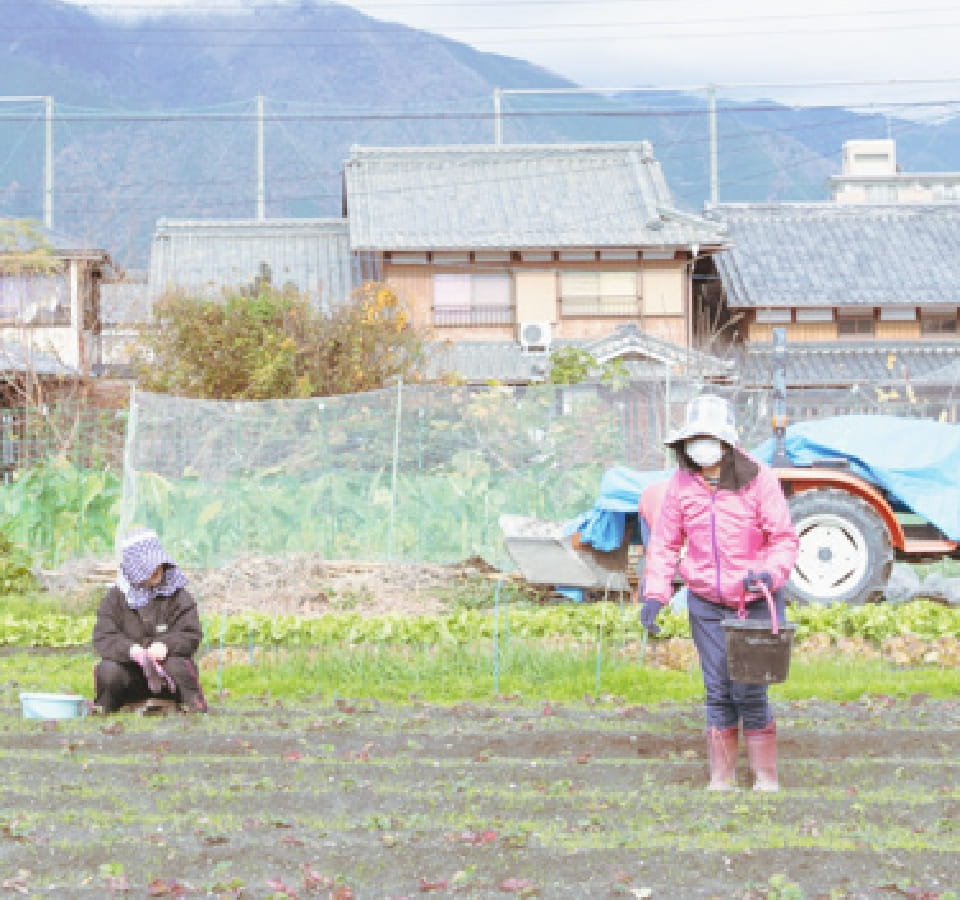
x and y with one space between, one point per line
722 756
762 754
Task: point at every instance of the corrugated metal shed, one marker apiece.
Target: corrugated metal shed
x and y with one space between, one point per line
825 254
515 197
208 255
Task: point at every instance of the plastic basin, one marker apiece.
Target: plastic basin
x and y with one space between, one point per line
52 706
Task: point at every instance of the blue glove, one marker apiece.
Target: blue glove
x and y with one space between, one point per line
751 584
648 615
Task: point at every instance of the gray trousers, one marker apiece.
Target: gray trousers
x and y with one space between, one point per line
728 702
116 684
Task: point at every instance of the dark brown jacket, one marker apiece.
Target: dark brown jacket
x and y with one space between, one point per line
174 621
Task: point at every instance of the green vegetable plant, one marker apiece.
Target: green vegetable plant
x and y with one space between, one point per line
16 572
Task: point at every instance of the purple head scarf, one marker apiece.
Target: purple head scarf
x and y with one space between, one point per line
140 556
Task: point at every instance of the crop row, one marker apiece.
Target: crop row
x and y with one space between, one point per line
580 622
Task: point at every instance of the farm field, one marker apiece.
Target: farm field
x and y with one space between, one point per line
357 798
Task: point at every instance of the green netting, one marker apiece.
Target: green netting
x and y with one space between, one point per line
410 473
60 471
407 473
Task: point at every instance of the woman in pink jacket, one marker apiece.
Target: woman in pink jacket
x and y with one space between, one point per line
729 514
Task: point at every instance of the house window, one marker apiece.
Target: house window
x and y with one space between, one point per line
881 193
451 257
599 294
939 321
815 314
408 259
34 299
946 192
773 316
462 298
898 314
858 323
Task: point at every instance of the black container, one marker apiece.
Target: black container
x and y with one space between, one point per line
755 655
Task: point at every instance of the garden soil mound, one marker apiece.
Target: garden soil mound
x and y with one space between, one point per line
301 584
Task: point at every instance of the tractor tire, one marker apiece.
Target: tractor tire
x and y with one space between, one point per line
845 553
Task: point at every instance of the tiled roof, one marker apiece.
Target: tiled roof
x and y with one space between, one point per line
644 357
846 363
826 254
210 254
515 197
630 343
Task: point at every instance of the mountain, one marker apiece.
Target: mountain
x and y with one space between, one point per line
156 117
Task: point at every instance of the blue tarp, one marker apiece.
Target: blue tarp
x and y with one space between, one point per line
915 461
620 489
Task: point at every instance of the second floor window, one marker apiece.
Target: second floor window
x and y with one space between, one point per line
599 294
472 299
938 323
855 323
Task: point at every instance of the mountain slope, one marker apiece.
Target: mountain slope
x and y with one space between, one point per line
156 117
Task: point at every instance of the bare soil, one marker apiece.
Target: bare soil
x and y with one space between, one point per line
354 799
301 584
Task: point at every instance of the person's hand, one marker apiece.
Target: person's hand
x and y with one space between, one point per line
157 651
648 615
137 652
752 583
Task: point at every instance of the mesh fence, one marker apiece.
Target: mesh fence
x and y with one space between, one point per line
60 479
407 473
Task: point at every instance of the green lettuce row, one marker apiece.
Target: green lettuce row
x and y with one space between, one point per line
579 623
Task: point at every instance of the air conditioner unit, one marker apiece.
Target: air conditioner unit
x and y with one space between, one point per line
535 335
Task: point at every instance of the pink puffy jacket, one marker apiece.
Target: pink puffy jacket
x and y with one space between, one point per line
744 525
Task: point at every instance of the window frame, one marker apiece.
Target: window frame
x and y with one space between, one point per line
475 310
599 302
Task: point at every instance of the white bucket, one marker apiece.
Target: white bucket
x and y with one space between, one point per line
52 706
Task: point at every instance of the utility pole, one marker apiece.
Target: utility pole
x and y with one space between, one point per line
261 190
48 164
499 93
711 92
714 149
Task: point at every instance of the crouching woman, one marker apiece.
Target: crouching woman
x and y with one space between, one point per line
147 631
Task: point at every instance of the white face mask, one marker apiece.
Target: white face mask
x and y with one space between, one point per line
704 451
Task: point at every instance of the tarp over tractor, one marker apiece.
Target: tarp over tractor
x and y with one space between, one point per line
915 462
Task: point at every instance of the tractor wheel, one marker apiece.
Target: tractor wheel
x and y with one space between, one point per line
845 554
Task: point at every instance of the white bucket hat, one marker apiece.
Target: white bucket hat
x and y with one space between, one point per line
707 415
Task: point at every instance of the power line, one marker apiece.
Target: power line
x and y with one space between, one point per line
442 116
77 200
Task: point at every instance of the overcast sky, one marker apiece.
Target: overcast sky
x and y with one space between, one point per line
676 43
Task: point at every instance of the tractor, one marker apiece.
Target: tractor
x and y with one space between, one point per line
850 530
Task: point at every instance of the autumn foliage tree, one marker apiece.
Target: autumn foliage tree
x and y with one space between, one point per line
274 344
